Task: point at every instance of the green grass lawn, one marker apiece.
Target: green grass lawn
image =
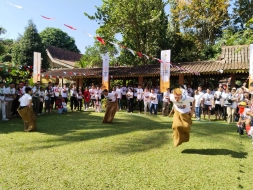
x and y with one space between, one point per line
77 151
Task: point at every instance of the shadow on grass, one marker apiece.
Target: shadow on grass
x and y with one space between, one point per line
80 127
215 152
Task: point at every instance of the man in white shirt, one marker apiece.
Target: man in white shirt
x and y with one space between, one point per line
26 111
111 106
2 101
139 97
182 117
166 102
119 92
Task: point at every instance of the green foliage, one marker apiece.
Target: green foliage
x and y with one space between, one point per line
92 55
56 37
103 103
30 42
5 50
242 13
141 23
90 58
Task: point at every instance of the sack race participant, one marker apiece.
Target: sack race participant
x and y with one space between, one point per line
25 110
182 117
111 106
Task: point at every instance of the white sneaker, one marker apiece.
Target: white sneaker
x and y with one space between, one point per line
5 119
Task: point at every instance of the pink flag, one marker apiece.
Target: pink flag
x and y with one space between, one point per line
72 28
46 17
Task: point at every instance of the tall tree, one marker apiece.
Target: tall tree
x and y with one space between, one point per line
204 20
56 37
141 23
242 13
30 42
92 56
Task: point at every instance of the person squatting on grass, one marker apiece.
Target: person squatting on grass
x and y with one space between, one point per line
111 106
182 117
25 110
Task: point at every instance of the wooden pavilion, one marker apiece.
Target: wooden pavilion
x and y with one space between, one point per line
232 64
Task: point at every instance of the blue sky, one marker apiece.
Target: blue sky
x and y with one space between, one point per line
68 12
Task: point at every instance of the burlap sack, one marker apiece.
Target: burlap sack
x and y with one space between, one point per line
181 127
111 109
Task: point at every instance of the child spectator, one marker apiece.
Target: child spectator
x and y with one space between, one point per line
63 107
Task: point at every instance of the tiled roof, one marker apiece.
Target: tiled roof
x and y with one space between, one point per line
64 56
233 59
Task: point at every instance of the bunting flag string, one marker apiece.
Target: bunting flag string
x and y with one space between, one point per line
103 42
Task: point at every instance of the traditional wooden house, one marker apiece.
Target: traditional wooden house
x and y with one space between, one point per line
60 58
232 65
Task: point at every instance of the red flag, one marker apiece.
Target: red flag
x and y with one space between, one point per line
101 40
139 54
72 28
47 17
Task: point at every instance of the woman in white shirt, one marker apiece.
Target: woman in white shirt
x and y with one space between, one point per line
208 103
26 111
80 98
139 97
130 100
153 102
146 98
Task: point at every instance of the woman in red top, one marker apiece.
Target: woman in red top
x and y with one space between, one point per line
86 95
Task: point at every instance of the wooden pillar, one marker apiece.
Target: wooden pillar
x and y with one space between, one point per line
77 81
232 81
140 80
181 79
80 82
153 81
124 82
189 80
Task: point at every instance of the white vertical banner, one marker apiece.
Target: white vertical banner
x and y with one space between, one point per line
251 62
36 66
165 70
105 72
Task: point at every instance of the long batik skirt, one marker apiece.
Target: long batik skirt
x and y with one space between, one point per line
28 117
111 109
181 127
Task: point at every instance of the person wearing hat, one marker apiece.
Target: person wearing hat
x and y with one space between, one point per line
245 118
182 117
